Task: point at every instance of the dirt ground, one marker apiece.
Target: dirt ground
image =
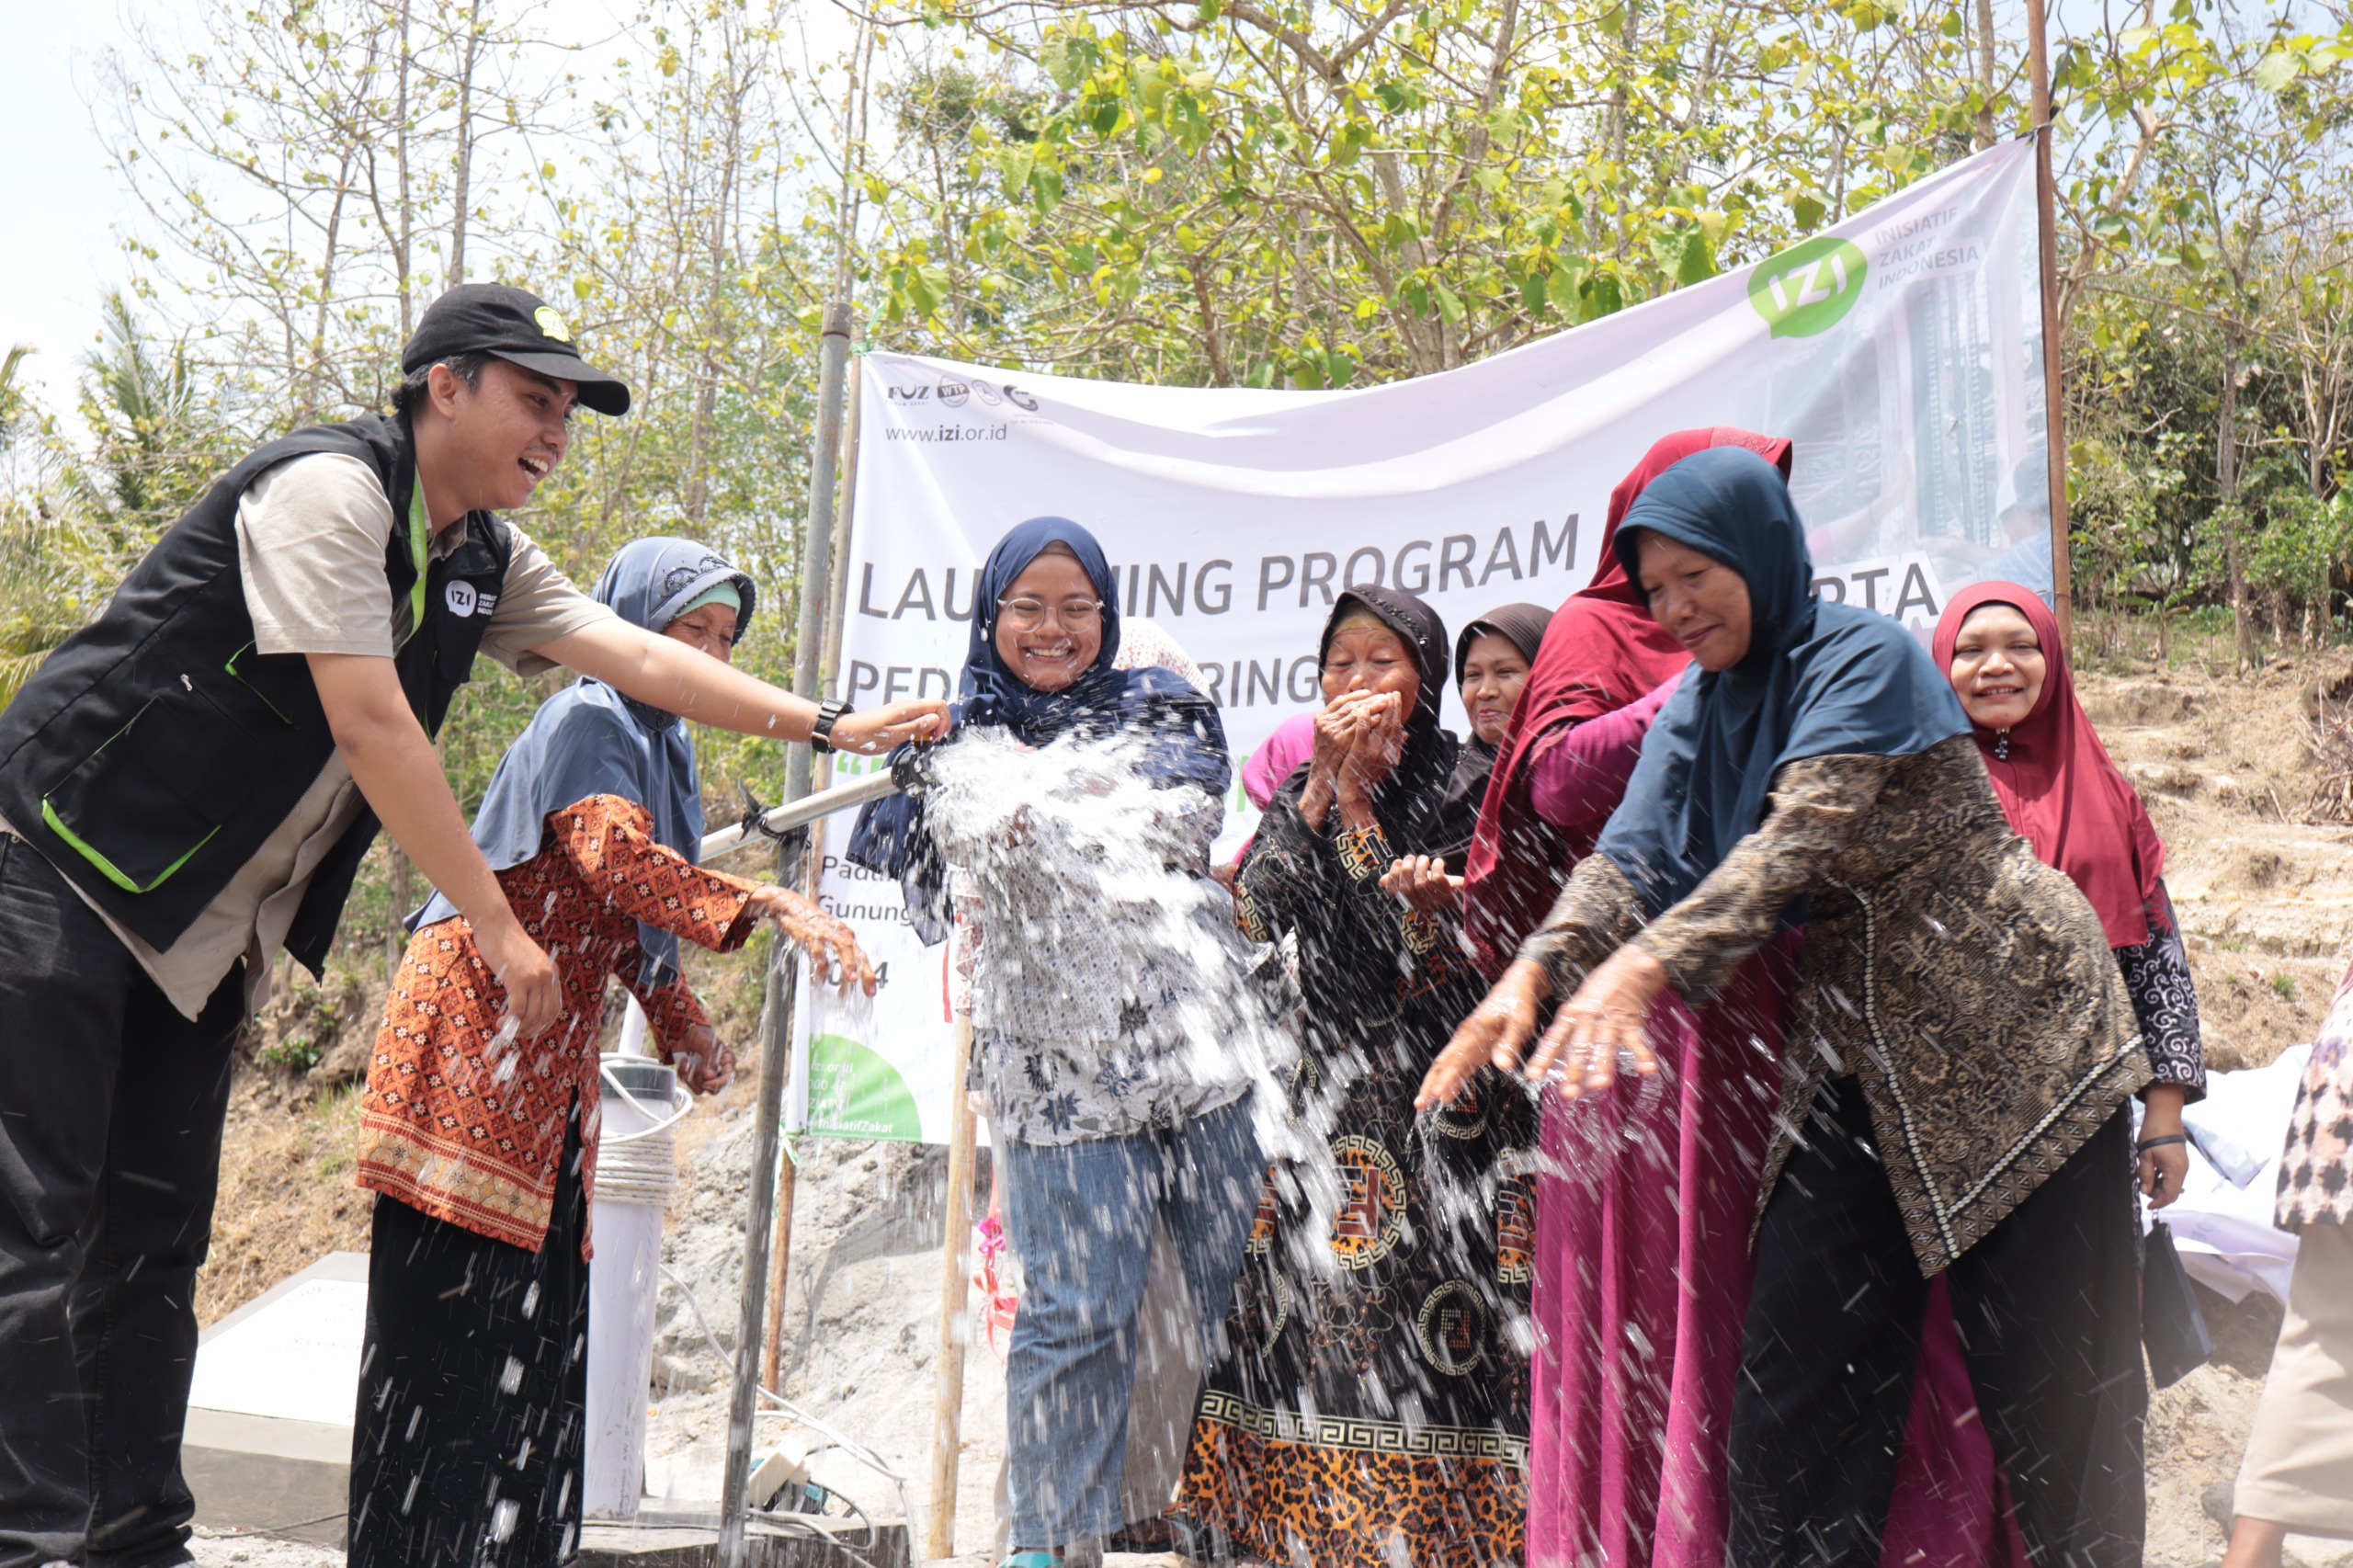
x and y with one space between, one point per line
2265 896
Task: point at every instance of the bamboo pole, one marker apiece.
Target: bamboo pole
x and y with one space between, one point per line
788 1187
955 1330
783 970
2046 230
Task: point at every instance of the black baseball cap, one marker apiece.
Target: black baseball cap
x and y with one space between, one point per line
519 327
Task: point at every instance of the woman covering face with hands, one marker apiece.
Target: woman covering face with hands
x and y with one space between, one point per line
1385 1279
1959 1056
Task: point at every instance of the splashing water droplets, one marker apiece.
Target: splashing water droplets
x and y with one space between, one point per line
1078 861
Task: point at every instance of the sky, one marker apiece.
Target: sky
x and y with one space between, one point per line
60 207
63 212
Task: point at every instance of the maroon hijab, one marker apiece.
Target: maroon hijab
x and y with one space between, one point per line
2056 782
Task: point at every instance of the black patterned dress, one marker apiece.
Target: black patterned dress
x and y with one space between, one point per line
1370 1407
2164 1002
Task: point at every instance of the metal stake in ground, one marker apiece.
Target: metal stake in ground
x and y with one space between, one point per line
776 1032
776 1047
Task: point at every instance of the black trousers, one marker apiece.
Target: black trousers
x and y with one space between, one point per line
110 1112
2048 1306
467 1449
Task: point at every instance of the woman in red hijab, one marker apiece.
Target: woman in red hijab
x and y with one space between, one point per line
2000 646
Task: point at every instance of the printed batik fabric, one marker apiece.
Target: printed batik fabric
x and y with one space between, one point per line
2316 1164
1370 1408
466 1127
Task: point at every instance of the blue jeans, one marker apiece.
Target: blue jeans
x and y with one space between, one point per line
1080 1216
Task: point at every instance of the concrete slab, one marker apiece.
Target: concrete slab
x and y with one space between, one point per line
663 1538
268 1446
293 1353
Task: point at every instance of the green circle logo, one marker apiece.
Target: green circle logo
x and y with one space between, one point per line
1808 288
551 323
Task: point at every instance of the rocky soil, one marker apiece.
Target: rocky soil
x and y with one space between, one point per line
2266 897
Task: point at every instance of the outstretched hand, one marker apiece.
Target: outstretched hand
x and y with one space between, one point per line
1493 1034
1422 882
872 733
1609 1017
835 956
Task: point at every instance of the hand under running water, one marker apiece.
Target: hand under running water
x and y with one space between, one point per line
1496 1032
834 957
1607 1019
704 1066
1608 1016
893 723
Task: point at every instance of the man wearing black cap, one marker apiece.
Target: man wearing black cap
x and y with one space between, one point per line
189 785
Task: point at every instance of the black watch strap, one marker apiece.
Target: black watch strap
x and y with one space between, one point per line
821 736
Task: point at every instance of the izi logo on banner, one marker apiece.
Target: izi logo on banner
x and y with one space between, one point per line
1808 288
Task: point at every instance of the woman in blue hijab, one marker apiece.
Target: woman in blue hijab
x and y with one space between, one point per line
1960 1057
481 1148
588 739
1184 741
1067 833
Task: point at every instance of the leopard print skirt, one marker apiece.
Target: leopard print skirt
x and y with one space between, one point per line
1370 1407
1349 1497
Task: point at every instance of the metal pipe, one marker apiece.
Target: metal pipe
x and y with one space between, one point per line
817 530
801 812
816 541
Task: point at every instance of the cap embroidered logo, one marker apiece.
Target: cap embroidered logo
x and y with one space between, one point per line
551 322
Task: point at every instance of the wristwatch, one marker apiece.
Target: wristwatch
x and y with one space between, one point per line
821 734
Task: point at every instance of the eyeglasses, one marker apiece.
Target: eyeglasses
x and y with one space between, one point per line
1027 614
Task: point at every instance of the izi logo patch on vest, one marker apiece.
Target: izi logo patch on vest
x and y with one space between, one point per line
464 600
1808 288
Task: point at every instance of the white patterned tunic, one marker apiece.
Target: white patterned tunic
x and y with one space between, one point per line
1107 994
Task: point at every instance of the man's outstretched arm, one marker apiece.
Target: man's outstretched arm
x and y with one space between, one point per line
666 673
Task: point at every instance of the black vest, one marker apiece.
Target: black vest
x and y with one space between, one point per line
154 751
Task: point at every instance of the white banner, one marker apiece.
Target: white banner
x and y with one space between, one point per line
1901 351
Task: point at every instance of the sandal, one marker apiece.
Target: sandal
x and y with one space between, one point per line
1032 1560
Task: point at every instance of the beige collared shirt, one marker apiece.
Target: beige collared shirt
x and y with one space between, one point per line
311 534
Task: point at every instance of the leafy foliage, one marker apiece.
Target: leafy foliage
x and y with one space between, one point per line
1259 192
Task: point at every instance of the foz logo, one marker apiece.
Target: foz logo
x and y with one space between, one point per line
1808 288
907 394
